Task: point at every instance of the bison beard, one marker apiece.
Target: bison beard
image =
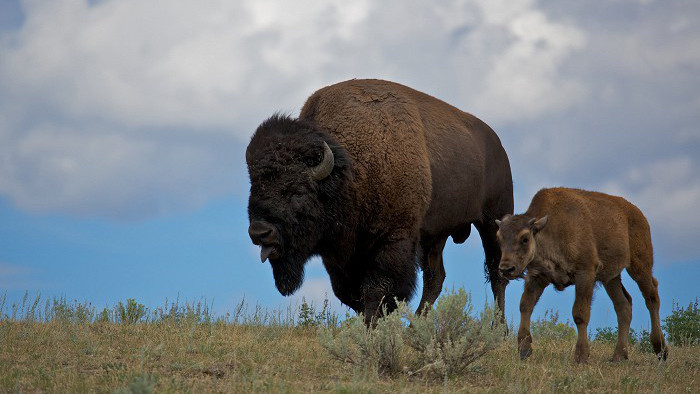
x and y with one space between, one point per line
289 274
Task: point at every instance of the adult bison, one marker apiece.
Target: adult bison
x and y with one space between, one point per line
374 177
571 236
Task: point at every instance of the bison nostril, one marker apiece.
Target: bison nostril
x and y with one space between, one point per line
261 232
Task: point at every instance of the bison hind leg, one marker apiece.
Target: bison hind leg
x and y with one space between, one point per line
623 308
433 271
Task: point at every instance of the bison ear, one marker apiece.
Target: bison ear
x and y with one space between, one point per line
538 224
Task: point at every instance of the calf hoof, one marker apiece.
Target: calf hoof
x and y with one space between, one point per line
620 353
525 353
581 357
617 357
663 354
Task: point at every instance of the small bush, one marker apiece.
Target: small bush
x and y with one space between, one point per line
642 341
140 384
377 350
638 339
75 313
683 325
448 339
130 313
308 317
549 327
440 344
606 334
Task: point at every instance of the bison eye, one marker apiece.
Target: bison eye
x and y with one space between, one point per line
314 159
525 240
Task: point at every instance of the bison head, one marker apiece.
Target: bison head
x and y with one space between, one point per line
293 171
516 235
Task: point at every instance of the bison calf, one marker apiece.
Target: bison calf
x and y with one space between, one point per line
576 237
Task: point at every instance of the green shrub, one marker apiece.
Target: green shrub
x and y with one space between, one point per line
375 350
683 325
130 313
549 327
440 344
448 339
140 384
74 313
640 339
606 334
308 317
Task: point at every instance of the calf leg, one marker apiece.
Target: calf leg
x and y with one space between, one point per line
534 286
582 313
433 272
648 285
623 307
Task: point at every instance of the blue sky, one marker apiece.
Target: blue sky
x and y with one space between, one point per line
123 126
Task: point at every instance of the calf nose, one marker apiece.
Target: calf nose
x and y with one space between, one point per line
506 267
262 233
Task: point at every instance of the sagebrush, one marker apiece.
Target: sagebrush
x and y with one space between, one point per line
440 344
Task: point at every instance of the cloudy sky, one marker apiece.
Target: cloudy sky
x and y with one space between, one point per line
123 125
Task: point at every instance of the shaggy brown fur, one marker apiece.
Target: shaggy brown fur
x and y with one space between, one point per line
571 236
413 172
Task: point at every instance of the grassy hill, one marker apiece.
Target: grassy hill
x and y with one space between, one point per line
72 348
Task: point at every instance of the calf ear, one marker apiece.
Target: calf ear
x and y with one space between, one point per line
504 218
538 224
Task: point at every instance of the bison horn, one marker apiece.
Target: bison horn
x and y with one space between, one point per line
324 169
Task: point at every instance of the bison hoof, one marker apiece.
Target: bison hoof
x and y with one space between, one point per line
663 355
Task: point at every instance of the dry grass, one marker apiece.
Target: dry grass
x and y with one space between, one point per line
56 356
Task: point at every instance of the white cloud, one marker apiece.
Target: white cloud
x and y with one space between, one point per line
93 94
130 108
668 192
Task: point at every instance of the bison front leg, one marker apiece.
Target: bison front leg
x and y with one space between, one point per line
582 313
391 276
534 286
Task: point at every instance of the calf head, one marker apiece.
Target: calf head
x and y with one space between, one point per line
518 241
288 160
